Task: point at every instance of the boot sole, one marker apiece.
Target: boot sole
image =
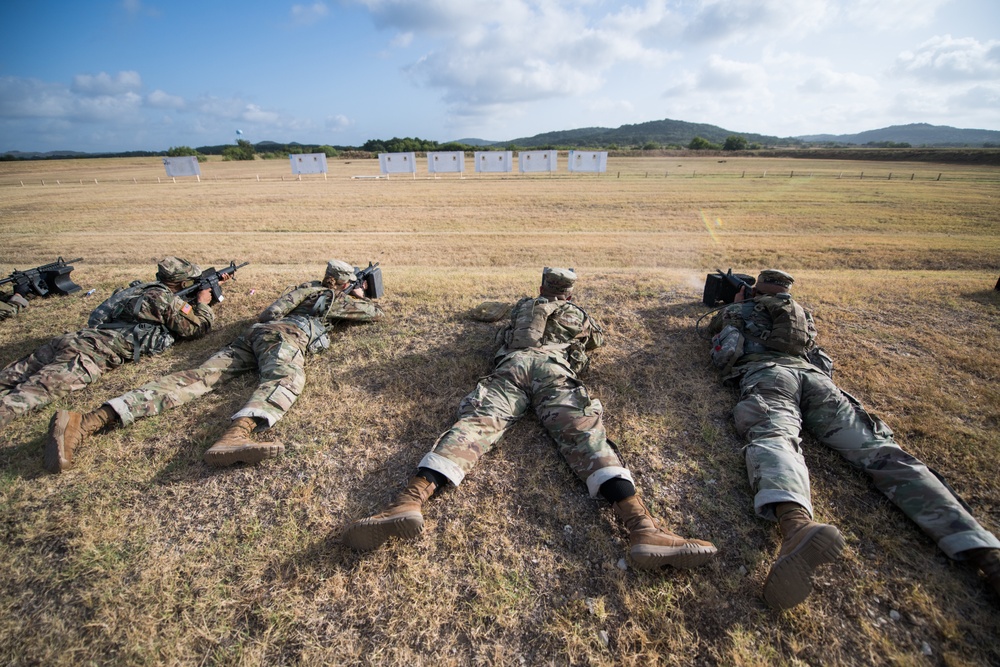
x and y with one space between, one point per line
254 454
54 453
790 580
368 534
683 557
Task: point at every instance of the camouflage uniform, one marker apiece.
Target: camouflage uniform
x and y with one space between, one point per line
537 371
74 360
11 305
780 393
288 329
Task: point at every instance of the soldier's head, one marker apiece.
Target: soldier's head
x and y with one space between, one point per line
174 272
557 283
773 281
338 274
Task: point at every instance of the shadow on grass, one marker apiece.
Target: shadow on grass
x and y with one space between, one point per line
984 297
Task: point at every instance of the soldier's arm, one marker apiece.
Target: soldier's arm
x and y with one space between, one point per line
595 338
285 304
347 308
181 318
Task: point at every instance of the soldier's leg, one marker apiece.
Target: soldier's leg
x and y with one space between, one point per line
70 364
281 364
175 389
17 372
574 420
768 418
867 443
280 354
69 430
484 415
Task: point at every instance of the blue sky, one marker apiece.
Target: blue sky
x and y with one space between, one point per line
150 74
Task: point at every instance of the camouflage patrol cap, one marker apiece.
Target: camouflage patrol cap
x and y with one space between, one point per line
340 271
558 281
775 277
176 270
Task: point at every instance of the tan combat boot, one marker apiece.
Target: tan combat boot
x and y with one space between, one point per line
653 547
987 560
401 519
805 546
67 431
235 446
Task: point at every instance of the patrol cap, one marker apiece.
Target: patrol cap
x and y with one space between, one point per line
340 271
775 277
176 270
558 281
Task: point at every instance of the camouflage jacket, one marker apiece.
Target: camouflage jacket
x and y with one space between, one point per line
313 308
150 321
158 305
756 322
561 328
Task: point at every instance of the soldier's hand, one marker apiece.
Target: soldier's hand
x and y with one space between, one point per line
741 295
205 296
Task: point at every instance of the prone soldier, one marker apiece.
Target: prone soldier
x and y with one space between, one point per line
765 341
290 328
540 353
147 320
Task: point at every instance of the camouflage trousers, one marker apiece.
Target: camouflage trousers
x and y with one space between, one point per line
778 401
63 365
275 351
535 379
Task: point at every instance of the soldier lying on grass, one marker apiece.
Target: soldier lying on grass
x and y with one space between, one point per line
294 325
766 342
146 320
541 351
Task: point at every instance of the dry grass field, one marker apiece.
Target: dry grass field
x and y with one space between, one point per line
142 555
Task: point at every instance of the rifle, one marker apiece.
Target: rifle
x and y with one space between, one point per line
44 279
370 279
210 279
724 287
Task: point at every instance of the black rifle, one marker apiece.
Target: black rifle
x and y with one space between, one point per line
45 279
724 287
210 279
370 279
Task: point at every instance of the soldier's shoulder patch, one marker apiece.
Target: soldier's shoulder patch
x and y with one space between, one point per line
490 311
186 309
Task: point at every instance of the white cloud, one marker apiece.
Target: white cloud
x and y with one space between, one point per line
886 15
944 59
721 75
338 123
309 14
105 84
161 100
751 20
254 114
507 52
31 98
825 81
